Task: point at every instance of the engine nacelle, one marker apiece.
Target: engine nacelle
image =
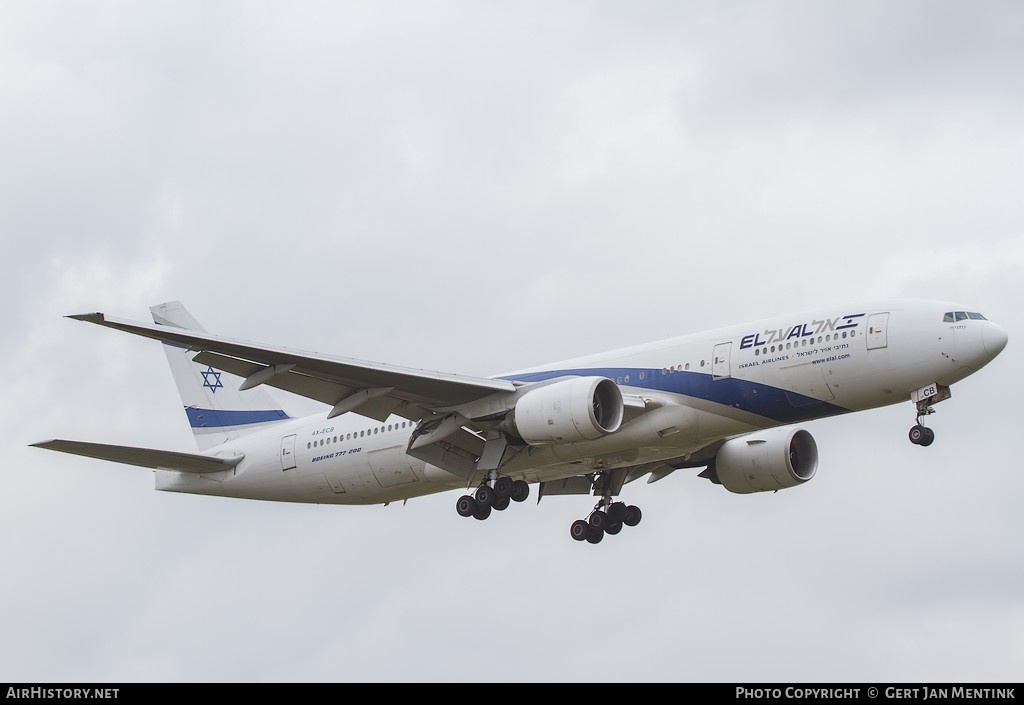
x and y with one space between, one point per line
569 411
767 460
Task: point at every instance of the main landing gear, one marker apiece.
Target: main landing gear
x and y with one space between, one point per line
607 518
493 494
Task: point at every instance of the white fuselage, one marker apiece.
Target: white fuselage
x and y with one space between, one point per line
704 387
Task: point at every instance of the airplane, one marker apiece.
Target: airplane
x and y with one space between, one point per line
728 402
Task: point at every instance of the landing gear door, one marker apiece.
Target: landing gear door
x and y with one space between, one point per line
878 324
288 452
720 361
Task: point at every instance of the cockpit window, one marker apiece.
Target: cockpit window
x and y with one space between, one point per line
953 316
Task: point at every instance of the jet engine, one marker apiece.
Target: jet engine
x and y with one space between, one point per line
765 461
568 411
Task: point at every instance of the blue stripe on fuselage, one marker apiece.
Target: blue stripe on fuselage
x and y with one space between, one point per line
770 402
215 418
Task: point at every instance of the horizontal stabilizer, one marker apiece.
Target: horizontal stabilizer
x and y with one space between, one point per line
143 457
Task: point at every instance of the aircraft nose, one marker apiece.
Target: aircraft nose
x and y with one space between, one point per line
994 339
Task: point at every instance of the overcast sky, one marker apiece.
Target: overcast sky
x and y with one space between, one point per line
476 187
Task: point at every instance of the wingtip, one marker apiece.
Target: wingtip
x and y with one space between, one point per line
88 317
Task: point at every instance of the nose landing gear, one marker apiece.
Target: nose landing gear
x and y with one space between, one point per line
924 399
921 435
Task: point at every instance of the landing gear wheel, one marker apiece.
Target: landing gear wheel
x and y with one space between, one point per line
501 504
613 528
520 490
503 487
917 434
598 520
482 512
929 437
595 535
617 512
633 515
466 506
485 495
579 530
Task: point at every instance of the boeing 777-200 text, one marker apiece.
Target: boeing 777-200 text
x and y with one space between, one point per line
724 401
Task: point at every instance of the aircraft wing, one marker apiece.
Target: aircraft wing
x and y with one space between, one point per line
143 457
368 388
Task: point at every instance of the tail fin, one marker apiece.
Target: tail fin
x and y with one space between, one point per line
217 411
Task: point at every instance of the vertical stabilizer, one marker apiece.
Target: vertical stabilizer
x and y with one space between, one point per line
216 410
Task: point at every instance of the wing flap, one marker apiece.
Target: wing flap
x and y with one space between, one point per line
317 388
580 484
143 457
